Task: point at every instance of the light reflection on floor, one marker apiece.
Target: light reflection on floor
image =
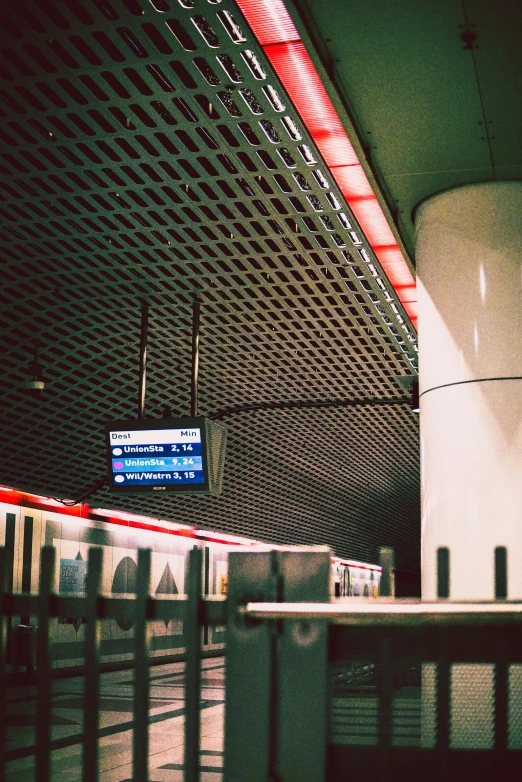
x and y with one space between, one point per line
116 695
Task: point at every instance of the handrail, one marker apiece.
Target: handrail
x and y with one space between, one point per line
391 613
213 607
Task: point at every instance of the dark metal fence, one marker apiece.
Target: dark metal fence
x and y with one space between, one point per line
321 689
194 610
317 689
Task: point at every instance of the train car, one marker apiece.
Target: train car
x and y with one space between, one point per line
355 579
28 522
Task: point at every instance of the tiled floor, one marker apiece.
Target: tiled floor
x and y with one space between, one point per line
166 726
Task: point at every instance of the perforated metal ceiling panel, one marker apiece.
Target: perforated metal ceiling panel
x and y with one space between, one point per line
148 152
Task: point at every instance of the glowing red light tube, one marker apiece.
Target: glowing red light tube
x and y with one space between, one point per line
280 40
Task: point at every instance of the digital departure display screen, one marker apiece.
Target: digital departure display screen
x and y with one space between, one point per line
156 458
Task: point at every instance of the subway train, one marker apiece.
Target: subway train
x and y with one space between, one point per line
28 522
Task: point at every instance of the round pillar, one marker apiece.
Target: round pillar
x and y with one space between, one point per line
469 277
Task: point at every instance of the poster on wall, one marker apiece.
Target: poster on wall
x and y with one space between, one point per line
223 584
221 570
73 577
73 574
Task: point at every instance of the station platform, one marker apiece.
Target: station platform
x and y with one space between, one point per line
166 715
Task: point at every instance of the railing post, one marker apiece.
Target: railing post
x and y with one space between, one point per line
140 747
443 573
92 667
43 662
250 655
443 703
500 683
387 563
206 591
4 575
302 670
501 582
192 634
385 700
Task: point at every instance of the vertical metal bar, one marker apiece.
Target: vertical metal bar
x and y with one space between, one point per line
500 687
92 668
442 693
27 561
43 662
10 524
501 667
275 628
140 746
443 573
501 585
206 591
4 587
302 693
387 563
142 383
385 695
443 698
192 633
248 668
194 378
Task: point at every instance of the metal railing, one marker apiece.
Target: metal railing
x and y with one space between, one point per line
397 614
443 701
317 689
194 610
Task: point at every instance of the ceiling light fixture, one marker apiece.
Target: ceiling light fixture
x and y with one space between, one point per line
35 384
277 34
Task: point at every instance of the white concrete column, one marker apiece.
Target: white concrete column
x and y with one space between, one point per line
469 267
469 277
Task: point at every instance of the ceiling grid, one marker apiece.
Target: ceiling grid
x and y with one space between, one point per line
149 152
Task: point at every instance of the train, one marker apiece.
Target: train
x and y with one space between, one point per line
28 522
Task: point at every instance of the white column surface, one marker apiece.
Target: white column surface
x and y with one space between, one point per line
469 265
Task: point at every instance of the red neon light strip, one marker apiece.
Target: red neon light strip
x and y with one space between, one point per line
15 497
82 510
280 40
184 533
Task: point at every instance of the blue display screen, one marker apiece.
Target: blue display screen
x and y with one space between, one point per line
156 457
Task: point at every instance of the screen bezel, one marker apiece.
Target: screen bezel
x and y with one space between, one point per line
160 423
